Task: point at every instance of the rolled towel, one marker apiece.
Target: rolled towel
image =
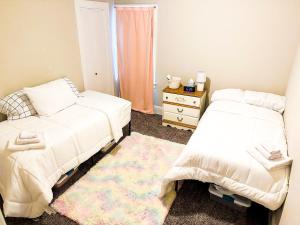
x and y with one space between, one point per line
269 164
267 154
27 135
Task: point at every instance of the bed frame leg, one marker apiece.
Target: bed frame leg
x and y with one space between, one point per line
129 128
176 185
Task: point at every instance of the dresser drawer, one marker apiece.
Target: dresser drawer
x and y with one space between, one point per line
181 99
180 118
182 110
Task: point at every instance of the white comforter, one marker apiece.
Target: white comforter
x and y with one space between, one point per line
72 136
216 153
111 107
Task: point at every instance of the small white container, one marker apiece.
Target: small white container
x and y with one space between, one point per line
174 82
227 196
200 86
200 79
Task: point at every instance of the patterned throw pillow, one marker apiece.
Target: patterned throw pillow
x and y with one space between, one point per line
72 86
16 106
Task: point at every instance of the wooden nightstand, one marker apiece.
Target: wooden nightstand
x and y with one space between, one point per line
182 109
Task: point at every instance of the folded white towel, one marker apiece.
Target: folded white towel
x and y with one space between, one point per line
269 164
267 154
11 146
27 135
272 149
20 141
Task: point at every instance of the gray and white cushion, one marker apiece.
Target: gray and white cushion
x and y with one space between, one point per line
72 86
16 106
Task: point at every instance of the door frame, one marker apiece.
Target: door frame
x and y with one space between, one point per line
2 220
93 4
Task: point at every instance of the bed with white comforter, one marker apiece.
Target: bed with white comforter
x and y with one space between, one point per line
217 153
72 136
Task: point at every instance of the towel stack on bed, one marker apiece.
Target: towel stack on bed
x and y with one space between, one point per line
26 141
269 156
269 152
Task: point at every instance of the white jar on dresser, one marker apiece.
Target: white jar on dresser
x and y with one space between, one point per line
182 109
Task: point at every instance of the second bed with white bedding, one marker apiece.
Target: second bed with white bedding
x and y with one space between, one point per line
72 136
217 153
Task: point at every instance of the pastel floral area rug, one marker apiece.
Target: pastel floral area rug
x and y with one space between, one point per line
123 187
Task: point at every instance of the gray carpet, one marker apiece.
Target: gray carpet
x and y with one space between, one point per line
192 205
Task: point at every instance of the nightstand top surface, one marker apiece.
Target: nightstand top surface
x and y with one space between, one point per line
180 91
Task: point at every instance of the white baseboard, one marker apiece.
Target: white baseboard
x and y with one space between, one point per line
158 109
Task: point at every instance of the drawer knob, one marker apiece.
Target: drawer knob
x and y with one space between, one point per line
194 102
180 111
179 119
167 97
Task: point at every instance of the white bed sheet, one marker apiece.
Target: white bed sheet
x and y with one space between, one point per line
72 136
216 153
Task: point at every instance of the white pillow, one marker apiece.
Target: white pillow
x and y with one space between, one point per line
51 97
267 100
234 95
72 86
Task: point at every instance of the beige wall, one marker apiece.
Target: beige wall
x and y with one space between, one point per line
290 215
246 44
38 43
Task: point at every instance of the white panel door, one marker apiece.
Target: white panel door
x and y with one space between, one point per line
95 48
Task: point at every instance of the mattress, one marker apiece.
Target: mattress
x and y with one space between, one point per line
122 105
72 136
217 153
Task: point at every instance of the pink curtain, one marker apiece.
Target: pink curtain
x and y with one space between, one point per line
135 56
